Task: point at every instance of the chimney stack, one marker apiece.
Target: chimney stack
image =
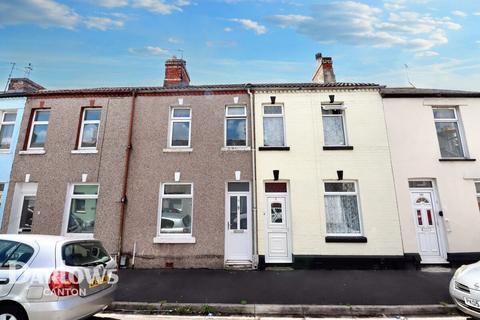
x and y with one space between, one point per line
176 74
324 72
23 85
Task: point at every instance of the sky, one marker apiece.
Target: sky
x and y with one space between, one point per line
97 43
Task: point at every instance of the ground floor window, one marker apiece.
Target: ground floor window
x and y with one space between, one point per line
176 208
82 210
342 209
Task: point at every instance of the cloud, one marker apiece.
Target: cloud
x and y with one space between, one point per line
111 3
360 24
227 29
251 25
459 13
175 40
45 13
103 23
477 13
149 50
426 54
221 44
161 6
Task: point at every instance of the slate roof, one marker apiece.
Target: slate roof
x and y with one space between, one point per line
426 93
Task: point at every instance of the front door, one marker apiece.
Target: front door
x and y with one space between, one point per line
278 235
426 227
238 233
23 207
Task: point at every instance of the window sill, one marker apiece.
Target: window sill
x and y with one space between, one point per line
32 152
174 239
274 149
5 151
84 151
178 150
236 149
337 147
456 159
348 239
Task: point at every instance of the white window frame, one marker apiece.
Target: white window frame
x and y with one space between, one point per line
7 123
282 115
457 119
236 117
172 237
86 122
359 207
32 126
180 120
344 123
68 205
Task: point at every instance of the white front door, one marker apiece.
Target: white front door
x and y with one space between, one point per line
23 208
278 235
426 224
238 233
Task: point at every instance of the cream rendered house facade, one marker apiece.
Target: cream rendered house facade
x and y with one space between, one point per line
433 138
324 178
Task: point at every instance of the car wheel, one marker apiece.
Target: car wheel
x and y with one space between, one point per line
12 313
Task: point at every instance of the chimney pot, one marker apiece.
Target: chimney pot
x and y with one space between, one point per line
176 74
324 72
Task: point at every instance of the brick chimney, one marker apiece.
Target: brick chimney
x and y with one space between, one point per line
324 72
23 85
176 74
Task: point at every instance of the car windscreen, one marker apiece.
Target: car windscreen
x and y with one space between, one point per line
14 254
84 254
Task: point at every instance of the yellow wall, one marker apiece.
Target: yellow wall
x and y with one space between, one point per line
307 165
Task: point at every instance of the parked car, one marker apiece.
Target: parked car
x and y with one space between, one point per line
54 278
465 289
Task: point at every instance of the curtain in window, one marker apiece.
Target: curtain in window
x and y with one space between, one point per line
273 132
342 214
333 131
449 139
6 133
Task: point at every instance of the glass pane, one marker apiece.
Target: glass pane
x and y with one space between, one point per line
85 252
89 137
85 189
82 215
477 187
276 212
443 113
181 113
176 216
429 217
9 117
39 135
419 218
180 133
93 114
449 139
1 193
420 184
339 187
177 189
478 201
243 213
233 213
272 110
236 132
273 187
333 131
28 207
332 111
6 133
42 115
238 186
19 257
342 214
273 132
236 111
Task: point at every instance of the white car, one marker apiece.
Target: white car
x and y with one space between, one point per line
465 289
54 278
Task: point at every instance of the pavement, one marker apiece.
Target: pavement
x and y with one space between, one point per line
156 317
295 287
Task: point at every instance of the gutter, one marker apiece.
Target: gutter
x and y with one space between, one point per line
254 176
124 199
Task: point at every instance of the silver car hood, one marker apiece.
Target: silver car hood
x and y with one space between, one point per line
471 276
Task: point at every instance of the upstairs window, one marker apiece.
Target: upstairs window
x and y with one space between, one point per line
342 209
477 189
89 128
273 126
235 126
180 127
7 124
334 127
449 132
38 129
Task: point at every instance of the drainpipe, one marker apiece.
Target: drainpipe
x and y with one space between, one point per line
125 177
254 173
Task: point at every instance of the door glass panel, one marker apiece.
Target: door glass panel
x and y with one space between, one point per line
419 217
276 212
238 187
26 218
275 187
429 216
233 213
243 212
